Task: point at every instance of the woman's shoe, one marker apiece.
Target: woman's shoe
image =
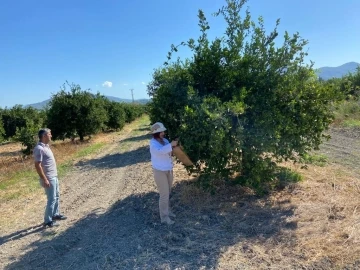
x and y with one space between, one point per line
168 221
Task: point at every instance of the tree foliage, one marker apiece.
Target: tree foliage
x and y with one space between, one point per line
17 117
132 111
350 85
27 135
2 130
243 102
19 124
76 113
69 114
116 115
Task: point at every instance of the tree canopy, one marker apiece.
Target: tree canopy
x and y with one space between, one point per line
242 103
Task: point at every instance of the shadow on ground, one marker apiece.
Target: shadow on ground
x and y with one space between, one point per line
137 138
20 234
118 160
144 128
11 153
129 235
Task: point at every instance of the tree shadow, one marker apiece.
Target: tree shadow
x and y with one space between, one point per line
137 138
118 160
144 128
22 233
129 235
15 153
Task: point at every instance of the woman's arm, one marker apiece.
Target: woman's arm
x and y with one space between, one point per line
156 147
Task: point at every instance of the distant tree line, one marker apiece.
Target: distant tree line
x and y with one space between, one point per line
348 86
70 114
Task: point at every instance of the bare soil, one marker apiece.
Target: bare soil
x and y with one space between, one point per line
344 148
113 222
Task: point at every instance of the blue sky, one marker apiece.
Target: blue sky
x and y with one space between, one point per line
112 46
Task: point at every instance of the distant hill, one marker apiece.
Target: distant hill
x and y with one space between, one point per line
41 105
326 73
141 101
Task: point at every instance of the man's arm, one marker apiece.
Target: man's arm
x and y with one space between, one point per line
41 173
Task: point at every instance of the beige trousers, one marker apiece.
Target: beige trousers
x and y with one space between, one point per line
164 181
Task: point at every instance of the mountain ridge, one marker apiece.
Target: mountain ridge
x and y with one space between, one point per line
327 73
42 104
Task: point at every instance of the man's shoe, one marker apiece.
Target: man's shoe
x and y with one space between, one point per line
59 217
51 224
171 214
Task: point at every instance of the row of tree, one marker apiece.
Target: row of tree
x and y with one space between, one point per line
242 103
70 114
348 86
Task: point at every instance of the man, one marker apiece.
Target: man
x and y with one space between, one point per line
46 168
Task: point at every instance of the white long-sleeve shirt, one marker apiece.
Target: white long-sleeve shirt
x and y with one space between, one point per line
161 155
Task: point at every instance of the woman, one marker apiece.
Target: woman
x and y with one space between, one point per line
162 163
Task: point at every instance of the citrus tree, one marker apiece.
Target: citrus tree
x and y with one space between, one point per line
116 115
244 101
75 113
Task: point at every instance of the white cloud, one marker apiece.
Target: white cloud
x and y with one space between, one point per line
107 84
143 83
125 84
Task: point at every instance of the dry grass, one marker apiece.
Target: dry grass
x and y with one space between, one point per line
328 214
313 224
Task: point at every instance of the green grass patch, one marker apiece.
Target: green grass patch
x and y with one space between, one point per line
89 150
14 179
347 114
19 184
143 125
351 123
285 177
64 168
315 159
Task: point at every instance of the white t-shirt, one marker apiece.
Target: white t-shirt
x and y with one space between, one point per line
161 155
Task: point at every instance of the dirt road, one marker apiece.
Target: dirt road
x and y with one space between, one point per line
344 148
112 207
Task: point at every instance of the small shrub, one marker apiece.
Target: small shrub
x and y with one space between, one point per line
285 177
27 137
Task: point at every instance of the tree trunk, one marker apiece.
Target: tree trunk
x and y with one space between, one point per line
81 135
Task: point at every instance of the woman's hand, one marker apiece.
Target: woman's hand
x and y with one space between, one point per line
174 143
